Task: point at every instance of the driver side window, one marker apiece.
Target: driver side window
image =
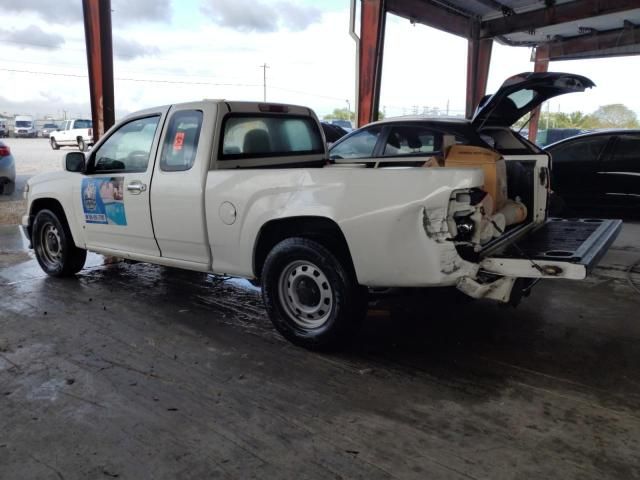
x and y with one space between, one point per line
128 148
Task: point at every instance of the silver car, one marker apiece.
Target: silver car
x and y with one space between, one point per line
7 170
47 128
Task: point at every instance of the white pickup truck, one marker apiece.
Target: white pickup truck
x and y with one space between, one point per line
246 189
76 132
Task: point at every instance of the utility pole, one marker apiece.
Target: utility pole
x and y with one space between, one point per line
264 67
348 109
547 115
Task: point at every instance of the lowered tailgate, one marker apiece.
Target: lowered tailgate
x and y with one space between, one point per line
561 248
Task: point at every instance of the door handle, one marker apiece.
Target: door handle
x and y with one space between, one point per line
136 187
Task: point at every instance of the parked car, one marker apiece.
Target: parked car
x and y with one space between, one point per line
47 129
245 189
553 135
4 130
332 133
597 171
7 170
24 126
76 132
346 124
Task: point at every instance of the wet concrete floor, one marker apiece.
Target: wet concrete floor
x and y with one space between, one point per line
135 371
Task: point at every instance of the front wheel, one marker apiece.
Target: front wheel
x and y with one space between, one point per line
312 299
53 244
54 144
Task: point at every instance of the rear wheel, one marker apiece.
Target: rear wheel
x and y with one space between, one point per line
311 298
82 145
53 244
54 144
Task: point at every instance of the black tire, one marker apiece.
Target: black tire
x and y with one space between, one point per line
54 144
53 244
81 145
323 281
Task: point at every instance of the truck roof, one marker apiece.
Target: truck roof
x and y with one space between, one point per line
238 106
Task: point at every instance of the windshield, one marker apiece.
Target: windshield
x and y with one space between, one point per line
23 123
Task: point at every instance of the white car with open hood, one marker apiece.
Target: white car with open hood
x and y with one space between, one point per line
247 189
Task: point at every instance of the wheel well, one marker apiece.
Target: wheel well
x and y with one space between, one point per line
78 138
48 204
320 229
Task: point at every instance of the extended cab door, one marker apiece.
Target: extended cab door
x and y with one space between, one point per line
62 136
177 195
114 193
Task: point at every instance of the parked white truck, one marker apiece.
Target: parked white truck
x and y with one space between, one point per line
246 189
76 132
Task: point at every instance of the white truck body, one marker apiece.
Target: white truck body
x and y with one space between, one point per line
75 132
214 216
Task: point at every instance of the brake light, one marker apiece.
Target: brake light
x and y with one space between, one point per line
91 132
266 107
4 151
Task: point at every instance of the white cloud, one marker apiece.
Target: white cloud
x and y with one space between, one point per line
59 11
261 16
127 49
32 36
70 11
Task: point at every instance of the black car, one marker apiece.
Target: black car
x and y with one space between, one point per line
332 133
597 172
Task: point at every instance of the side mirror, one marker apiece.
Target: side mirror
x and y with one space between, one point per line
74 162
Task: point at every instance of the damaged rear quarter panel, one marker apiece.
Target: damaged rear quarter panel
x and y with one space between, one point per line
380 212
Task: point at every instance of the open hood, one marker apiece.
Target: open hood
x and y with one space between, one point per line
522 93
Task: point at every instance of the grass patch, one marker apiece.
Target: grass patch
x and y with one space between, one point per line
11 211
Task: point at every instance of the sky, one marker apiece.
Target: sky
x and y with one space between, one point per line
168 51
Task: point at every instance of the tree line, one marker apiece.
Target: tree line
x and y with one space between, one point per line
615 115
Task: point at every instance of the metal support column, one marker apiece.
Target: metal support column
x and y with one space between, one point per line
372 25
541 64
478 61
97 30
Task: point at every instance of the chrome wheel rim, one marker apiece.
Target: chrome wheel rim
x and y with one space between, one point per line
51 245
306 294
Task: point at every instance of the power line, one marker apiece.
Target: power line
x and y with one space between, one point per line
150 80
174 82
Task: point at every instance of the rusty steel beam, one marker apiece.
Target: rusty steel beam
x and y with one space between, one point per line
478 61
97 31
541 64
433 15
561 13
372 26
594 45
